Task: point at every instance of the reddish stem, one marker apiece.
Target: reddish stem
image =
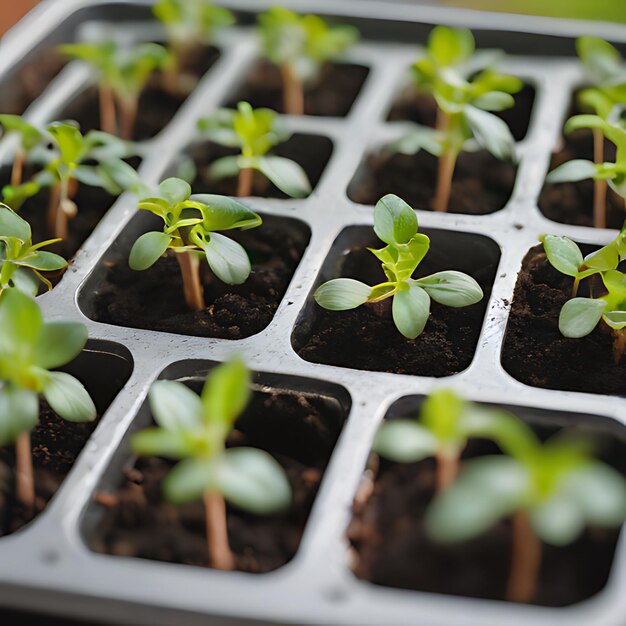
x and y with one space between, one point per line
220 554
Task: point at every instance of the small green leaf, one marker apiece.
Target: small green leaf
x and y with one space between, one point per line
452 288
190 480
175 190
286 174
580 316
226 167
494 101
564 255
227 258
59 343
19 412
20 321
175 407
160 442
148 249
224 213
557 521
572 171
601 58
226 392
68 398
12 225
44 261
491 132
441 413
404 441
411 308
394 220
342 294
451 46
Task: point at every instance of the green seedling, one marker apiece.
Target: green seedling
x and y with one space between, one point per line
444 425
465 119
606 71
395 223
195 429
29 138
21 262
300 45
29 349
598 170
255 132
190 229
190 25
552 491
579 316
123 74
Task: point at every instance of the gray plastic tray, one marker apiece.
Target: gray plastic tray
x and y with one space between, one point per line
47 565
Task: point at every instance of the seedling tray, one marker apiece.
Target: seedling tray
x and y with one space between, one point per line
48 566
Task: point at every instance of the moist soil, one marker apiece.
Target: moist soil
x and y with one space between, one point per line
572 203
157 105
56 444
299 430
311 152
153 299
333 94
391 547
422 109
537 354
366 338
481 184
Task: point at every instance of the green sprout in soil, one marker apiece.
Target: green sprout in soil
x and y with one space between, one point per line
29 138
580 315
29 349
444 425
465 104
300 45
598 170
21 262
606 71
123 74
552 491
190 229
255 132
190 25
195 429
395 223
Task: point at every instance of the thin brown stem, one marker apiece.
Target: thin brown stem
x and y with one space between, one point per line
600 186
445 172
128 116
108 113
245 182
220 554
24 480
525 560
17 171
575 286
619 345
293 91
57 217
189 263
447 468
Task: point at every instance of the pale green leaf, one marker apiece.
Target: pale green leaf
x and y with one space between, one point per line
410 309
342 294
68 397
404 441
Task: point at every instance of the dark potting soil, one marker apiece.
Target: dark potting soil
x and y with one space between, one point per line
311 152
333 95
393 549
481 183
572 203
534 350
157 106
136 299
366 338
56 444
422 109
299 430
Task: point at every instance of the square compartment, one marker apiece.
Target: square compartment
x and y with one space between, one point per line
366 338
297 420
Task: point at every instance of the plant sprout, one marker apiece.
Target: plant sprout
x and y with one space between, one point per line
552 491
300 46
123 73
395 223
29 138
21 262
607 73
464 118
579 316
29 349
190 225
600 171
444 425
254 132
195 429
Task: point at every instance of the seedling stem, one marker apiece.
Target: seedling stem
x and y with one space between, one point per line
220 554
293 91
525 560
108 114
245 181
24 481
619 345
600 185
17 171
189 263
448 460
128 117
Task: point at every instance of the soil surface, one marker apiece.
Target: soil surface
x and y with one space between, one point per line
299 430
136 299
537 354
311 152
392 548
56 444
333 95
157 105
366 338
481 183
422 109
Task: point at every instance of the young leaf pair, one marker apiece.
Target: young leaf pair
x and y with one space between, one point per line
195 429
395 223
552 491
